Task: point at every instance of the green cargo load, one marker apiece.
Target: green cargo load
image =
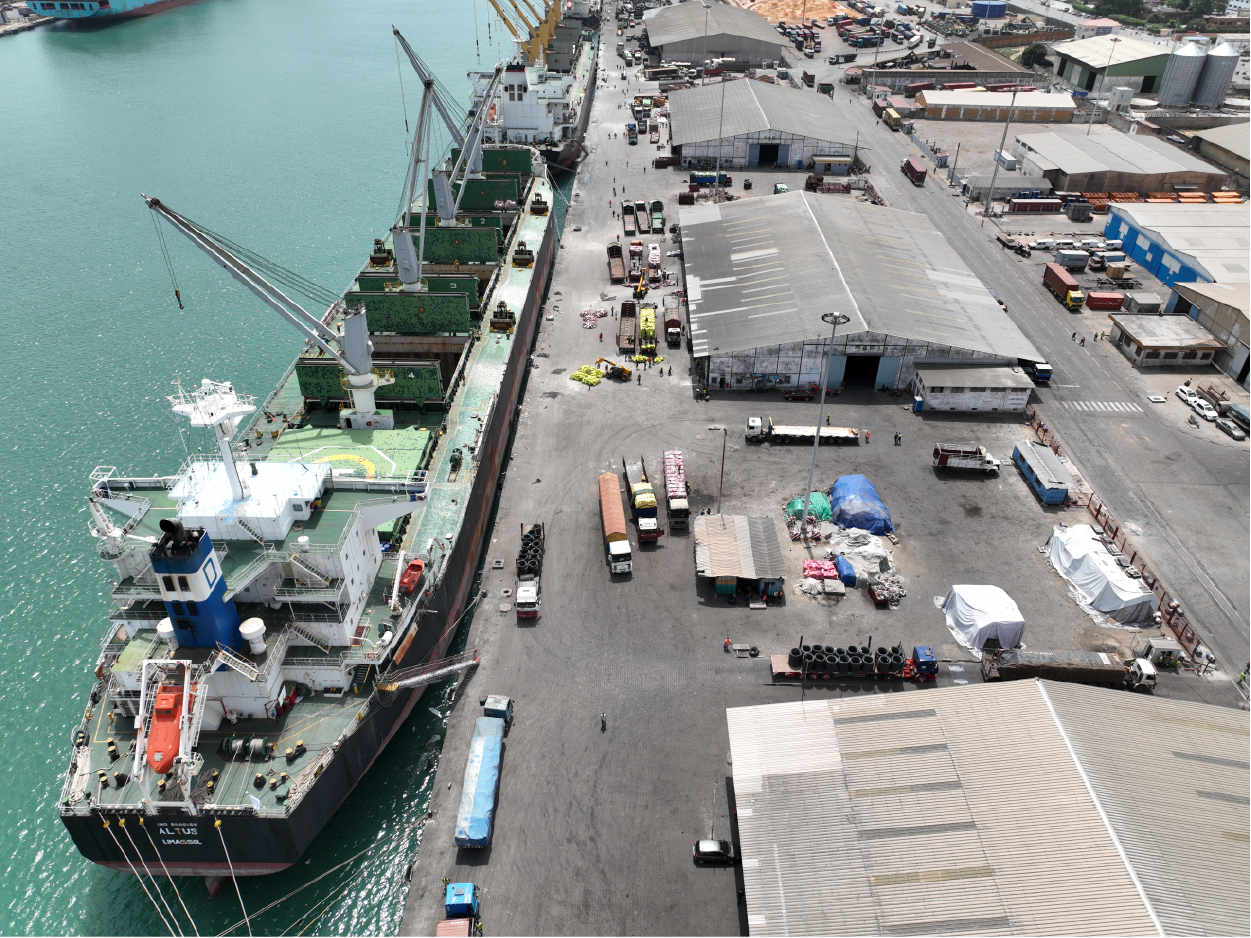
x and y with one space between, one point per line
415 313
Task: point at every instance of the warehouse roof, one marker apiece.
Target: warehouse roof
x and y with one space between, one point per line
991 809
696 114
1165 331
965 56
762 271
1096 50
963 376
732 545
690 20
1212 239
1074 153
1025 100
1236 138
1237 296
1051 473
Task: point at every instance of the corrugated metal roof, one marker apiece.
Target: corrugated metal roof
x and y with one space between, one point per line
1096 50
1051 473
955 811
1112 153
689 21
1233 137
762 272
1212 239
733 545
1153 331
750 107
990 376
1025 100
1236 295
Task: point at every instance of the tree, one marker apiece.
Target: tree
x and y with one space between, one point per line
1123 7
1201 9
1034 54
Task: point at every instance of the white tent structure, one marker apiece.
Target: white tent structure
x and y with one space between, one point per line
1080 557
976 614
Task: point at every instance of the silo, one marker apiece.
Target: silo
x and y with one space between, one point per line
1218 71
1181 76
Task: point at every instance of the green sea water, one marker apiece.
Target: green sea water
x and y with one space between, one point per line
281 124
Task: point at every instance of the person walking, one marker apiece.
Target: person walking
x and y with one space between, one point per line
601 337
671 371
827 419
1083 341
866 436
1074 336
640 379
898 438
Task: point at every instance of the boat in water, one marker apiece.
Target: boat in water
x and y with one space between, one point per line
280 604
97 10
550 83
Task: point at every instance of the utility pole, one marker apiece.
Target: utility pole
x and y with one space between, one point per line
725 435
720 139
1111 49
835 320
990 196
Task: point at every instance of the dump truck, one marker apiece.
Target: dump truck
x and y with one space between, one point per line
625 326
912 168
627 217
613 370
476 816
673 321
1064 285
616 541
616 265
758 432
642 500
658 215
677 490
964 456
641 218
647 329
1077 667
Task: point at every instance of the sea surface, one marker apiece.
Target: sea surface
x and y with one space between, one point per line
282 125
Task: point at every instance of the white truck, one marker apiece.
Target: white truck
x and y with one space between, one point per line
964 456
529 566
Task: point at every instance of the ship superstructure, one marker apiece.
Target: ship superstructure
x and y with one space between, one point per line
281 601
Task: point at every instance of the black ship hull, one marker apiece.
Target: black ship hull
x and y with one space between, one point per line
567 156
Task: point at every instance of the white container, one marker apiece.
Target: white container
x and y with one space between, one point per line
253 632
165 632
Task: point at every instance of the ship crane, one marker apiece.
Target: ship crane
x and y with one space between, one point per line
409 257
351 347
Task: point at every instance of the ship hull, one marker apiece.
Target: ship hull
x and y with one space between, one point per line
251 845
123 11
567 157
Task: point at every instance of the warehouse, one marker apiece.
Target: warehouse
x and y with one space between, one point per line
761 272
1228 146
1118 61
958 387
1007 185
1075 162
997 809
1026 107
1223 309
1183 243
952 62
1163 341
695 32
751 123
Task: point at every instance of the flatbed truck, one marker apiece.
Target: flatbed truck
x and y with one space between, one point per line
616 264
964 456
1078 667
758 432
627 218
476 815
1064 285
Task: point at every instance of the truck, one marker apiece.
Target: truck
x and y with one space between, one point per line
616 265
641 218
759 432
673 321
647 329
1038 372
808 78
627 217
626 326
892 118
1064 285
677 491
460 908
1072 260
616 541
529 567
632 130
1012 244
476 815
658 215
642 500
1100 260
1078 667
912 168
964 456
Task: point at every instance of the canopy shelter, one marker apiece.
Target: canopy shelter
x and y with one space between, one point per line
1080 557
976 614
733 547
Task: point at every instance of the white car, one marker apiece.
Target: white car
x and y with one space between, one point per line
1089 243
1114 245
1203 409
1186 394
1042 244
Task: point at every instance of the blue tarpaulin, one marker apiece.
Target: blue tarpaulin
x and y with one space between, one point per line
846 572
855 504
482 779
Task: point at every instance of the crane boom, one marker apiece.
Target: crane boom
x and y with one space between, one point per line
507 22
427 78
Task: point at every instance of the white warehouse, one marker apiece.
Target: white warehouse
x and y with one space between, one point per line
693 32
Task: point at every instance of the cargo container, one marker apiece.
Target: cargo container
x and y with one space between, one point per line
1064 285
677 491
964 456
910 90
626 326
1078 667
663 162
958 85
1072 260
616 265
616 541
912 168
481 784
1109 301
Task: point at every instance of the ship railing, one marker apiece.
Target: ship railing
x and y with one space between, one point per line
299 614
305 780
345 659
253 568
311 593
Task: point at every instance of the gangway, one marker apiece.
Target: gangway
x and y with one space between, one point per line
430 673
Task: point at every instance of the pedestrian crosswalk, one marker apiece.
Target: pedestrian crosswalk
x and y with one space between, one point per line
1106 407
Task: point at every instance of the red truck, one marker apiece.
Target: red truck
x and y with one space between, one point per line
1111 301
913 169
1064 285
663 162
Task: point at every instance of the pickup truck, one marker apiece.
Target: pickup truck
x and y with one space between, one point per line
964 456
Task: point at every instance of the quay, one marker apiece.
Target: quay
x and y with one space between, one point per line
13 22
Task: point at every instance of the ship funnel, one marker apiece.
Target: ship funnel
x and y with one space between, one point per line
174 528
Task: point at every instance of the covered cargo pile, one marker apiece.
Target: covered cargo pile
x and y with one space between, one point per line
482 778
854 503
1080 557
976 614
818 506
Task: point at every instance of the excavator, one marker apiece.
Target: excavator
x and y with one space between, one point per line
613 370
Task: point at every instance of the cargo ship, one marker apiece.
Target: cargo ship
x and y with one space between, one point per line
97 10
550 82
279 605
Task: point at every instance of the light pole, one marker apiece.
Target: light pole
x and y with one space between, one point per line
725 436
1111 49
703 63
990 196
720 141
835 320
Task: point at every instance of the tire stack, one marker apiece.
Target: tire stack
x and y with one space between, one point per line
530 557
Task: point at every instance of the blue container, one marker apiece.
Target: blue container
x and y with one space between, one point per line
460 901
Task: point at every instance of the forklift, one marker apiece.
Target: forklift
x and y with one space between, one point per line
613 370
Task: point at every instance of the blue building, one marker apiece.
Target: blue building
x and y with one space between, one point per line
1043 470
1185 243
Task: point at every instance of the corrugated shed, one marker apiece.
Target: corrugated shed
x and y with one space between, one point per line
1047 467
1098 51
1141 154
955 811
691 21
1025 100
733 545
1233 137
750 107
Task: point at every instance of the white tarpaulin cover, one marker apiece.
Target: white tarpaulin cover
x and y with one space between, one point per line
978 613
1080 557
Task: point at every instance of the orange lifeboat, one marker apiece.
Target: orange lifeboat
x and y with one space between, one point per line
163 737
412 576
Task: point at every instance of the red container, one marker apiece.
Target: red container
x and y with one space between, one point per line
1104 300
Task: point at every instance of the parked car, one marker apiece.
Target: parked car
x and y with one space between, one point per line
1203 409
780 187
1185 393
1225 425
1090 243
1042 244
800 394
713 851
1114 245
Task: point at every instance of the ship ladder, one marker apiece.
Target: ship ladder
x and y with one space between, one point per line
309 635
231 660
430 673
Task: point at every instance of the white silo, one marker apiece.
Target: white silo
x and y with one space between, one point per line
1181 76
1218 71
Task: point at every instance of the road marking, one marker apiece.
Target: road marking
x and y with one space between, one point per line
957 674
1103 407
